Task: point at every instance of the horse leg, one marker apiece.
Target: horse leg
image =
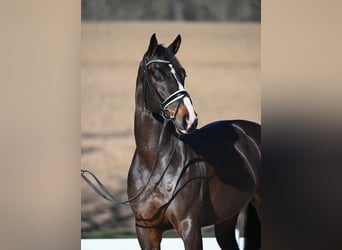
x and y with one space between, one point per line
190 232
149 238
225 234
252 229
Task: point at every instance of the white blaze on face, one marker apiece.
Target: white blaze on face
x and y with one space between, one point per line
186 100
191 111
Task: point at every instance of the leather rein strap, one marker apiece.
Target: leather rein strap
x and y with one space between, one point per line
100 189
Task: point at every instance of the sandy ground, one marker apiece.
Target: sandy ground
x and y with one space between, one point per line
222 62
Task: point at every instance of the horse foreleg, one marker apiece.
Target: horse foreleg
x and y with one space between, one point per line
190 232
149 238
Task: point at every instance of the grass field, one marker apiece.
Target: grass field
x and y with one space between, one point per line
222 61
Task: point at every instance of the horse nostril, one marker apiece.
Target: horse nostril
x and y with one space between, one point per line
193 126
185 121
195 123
189 125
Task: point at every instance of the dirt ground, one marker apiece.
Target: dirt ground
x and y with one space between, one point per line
222 61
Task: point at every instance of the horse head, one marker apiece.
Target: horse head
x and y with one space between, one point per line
163 85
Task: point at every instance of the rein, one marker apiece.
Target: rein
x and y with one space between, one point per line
103 191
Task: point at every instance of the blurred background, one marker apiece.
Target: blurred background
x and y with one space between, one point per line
180 10
221 54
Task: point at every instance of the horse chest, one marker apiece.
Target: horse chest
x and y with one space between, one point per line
154 211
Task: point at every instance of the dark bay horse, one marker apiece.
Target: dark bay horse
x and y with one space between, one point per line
186 178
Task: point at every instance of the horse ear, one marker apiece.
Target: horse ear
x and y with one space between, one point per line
174 46
152 48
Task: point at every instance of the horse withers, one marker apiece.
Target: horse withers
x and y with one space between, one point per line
185 178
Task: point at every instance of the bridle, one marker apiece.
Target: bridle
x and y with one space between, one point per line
180 94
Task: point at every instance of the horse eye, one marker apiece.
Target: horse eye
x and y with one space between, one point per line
157 76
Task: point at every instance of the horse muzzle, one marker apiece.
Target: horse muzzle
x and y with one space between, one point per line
186 119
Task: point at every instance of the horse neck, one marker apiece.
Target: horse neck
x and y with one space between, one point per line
147 130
